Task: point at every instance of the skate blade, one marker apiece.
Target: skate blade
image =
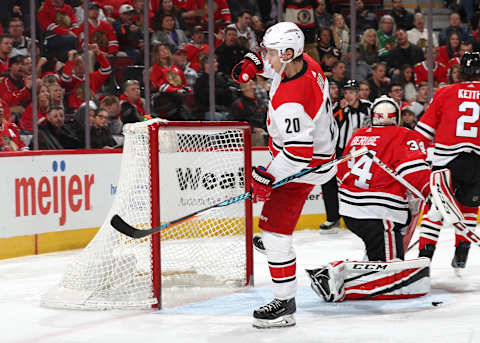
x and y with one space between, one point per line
329 231
459 272
283 321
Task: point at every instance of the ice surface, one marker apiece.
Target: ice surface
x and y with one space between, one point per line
227 318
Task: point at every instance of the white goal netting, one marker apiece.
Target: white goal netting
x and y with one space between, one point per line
198 167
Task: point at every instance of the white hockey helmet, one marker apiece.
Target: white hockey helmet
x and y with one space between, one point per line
385 111
282 36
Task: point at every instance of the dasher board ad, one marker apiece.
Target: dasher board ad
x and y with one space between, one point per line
190 181
46 193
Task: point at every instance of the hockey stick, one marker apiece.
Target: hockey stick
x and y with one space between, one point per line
120 225
467 233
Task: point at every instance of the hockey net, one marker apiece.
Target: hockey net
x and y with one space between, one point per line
168 170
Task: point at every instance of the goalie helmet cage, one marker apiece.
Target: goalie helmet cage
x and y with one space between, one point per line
169 169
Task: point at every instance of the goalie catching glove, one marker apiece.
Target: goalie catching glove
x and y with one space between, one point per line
246 69
262 182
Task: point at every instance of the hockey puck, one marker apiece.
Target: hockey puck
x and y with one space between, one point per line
436 303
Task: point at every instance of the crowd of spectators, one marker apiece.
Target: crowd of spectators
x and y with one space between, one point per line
390 55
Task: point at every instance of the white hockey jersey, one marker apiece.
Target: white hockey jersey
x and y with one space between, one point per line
302 130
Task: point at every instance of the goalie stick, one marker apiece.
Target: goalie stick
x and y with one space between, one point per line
120 225
467 233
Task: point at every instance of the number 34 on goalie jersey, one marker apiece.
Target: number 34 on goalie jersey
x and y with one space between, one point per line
401 149
362 181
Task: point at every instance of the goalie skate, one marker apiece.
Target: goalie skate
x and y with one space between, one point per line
325 285
277 313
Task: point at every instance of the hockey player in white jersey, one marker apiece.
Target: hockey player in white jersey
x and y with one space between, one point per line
302 134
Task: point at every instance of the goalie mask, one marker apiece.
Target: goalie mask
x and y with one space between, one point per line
385 111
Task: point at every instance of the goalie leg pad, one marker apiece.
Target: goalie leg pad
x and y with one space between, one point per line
442 196
282 264
387 280
429 229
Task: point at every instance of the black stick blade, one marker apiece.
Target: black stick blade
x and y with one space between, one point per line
120 225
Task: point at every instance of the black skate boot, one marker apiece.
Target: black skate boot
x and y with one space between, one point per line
427 251
459 261
277 313
330 227
258 244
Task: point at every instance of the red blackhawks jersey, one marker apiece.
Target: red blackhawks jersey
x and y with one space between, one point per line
59 21
193 52
104 35
421 73
74 84
366 191
302 130
453 120
167 79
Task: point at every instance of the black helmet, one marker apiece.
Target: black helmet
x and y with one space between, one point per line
351 84
470 63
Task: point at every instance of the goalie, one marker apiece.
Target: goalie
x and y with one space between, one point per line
376 207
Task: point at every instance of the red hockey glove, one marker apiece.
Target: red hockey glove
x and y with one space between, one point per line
246 69
262 182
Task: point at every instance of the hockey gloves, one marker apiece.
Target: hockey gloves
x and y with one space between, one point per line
246 69
262 182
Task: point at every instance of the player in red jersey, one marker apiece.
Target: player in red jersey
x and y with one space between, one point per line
303 133
452 120
378 208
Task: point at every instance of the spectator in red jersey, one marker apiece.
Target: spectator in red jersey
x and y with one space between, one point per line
464 47
229 52
100 31
449 51
9 136
197 47
6 46
439 70
59 25
169 35
168 78
54 134
73 76
138 17
131 94
21 44
26 120
222 13
130 36
191 10
15 86
166 7
100 133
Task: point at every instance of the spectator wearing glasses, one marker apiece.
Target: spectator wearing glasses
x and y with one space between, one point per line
395 91
100 133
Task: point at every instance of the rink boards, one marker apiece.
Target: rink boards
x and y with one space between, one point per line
57 200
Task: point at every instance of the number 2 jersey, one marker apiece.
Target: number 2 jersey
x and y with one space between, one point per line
366 191
453 120
302 130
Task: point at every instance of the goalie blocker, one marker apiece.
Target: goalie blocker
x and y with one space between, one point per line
362 280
